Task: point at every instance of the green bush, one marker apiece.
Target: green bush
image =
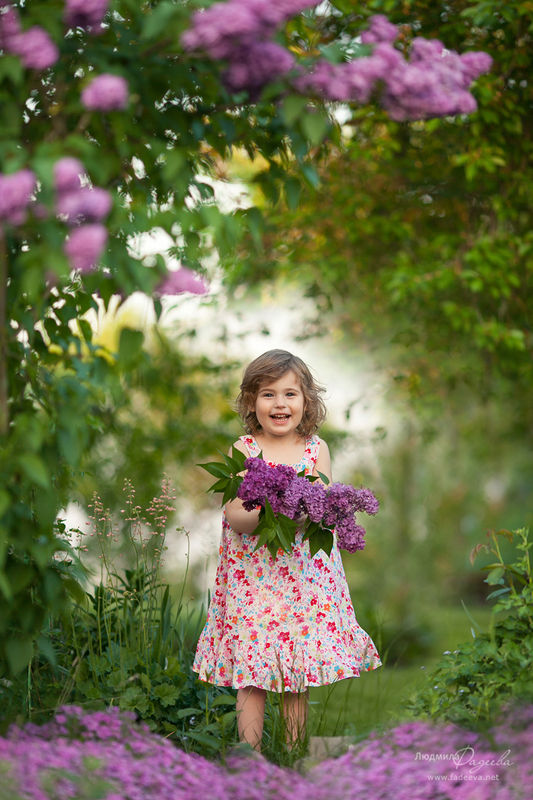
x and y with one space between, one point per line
469 685
127 644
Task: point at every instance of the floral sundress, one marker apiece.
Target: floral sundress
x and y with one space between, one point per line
281 625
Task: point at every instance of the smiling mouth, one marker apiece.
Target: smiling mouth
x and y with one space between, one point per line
280 417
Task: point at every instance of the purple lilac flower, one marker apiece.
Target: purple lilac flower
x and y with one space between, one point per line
85 14
263 482
34 47
380 30
84 205
433 83
106 93
474 64
240 31
350 537
253 66
67 173
10 30
366 501
16 191
225 26
85 246
180 281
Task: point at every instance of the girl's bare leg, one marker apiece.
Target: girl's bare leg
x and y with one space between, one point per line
295 708
251 715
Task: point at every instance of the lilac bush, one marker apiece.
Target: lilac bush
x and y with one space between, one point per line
433 83
105 754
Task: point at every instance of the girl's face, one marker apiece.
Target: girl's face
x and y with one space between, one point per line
280 404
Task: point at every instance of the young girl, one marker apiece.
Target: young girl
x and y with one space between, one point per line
287 624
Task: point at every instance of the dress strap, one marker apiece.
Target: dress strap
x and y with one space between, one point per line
250 444
312 449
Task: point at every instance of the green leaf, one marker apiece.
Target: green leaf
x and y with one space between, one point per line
472 620
35 469
495 576
323 478
5 502
130 344
293 106
205 738
293 190
19 654
189 712
216 469
321 540
315 127
167 694
224 700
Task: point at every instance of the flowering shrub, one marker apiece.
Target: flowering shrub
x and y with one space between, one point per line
175 121
433 83
81 755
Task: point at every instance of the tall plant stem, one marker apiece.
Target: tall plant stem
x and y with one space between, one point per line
4 418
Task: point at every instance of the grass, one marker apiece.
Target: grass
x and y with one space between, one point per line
374 701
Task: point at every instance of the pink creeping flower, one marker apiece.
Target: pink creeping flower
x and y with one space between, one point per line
15 195
84 205
106 93
67 172
85 246
85 14
180 281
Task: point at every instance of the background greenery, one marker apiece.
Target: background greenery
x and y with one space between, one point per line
412 240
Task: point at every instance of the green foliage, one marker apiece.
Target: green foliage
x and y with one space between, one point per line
468 686
126 643
57 387
420 232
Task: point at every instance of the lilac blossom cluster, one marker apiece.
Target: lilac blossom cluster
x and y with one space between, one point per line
181 280
433 83
83 208
34 46
106 93
111 757
87 14
16 192
240 32
295 496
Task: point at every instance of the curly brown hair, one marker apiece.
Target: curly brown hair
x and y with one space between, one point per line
269 367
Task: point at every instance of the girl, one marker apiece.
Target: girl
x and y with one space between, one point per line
287 624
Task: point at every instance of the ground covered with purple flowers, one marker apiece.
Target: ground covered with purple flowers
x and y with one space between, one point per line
104 754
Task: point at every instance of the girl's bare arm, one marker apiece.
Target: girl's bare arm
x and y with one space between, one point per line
241 521
323 462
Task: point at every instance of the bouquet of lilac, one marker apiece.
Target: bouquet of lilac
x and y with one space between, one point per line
289 501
